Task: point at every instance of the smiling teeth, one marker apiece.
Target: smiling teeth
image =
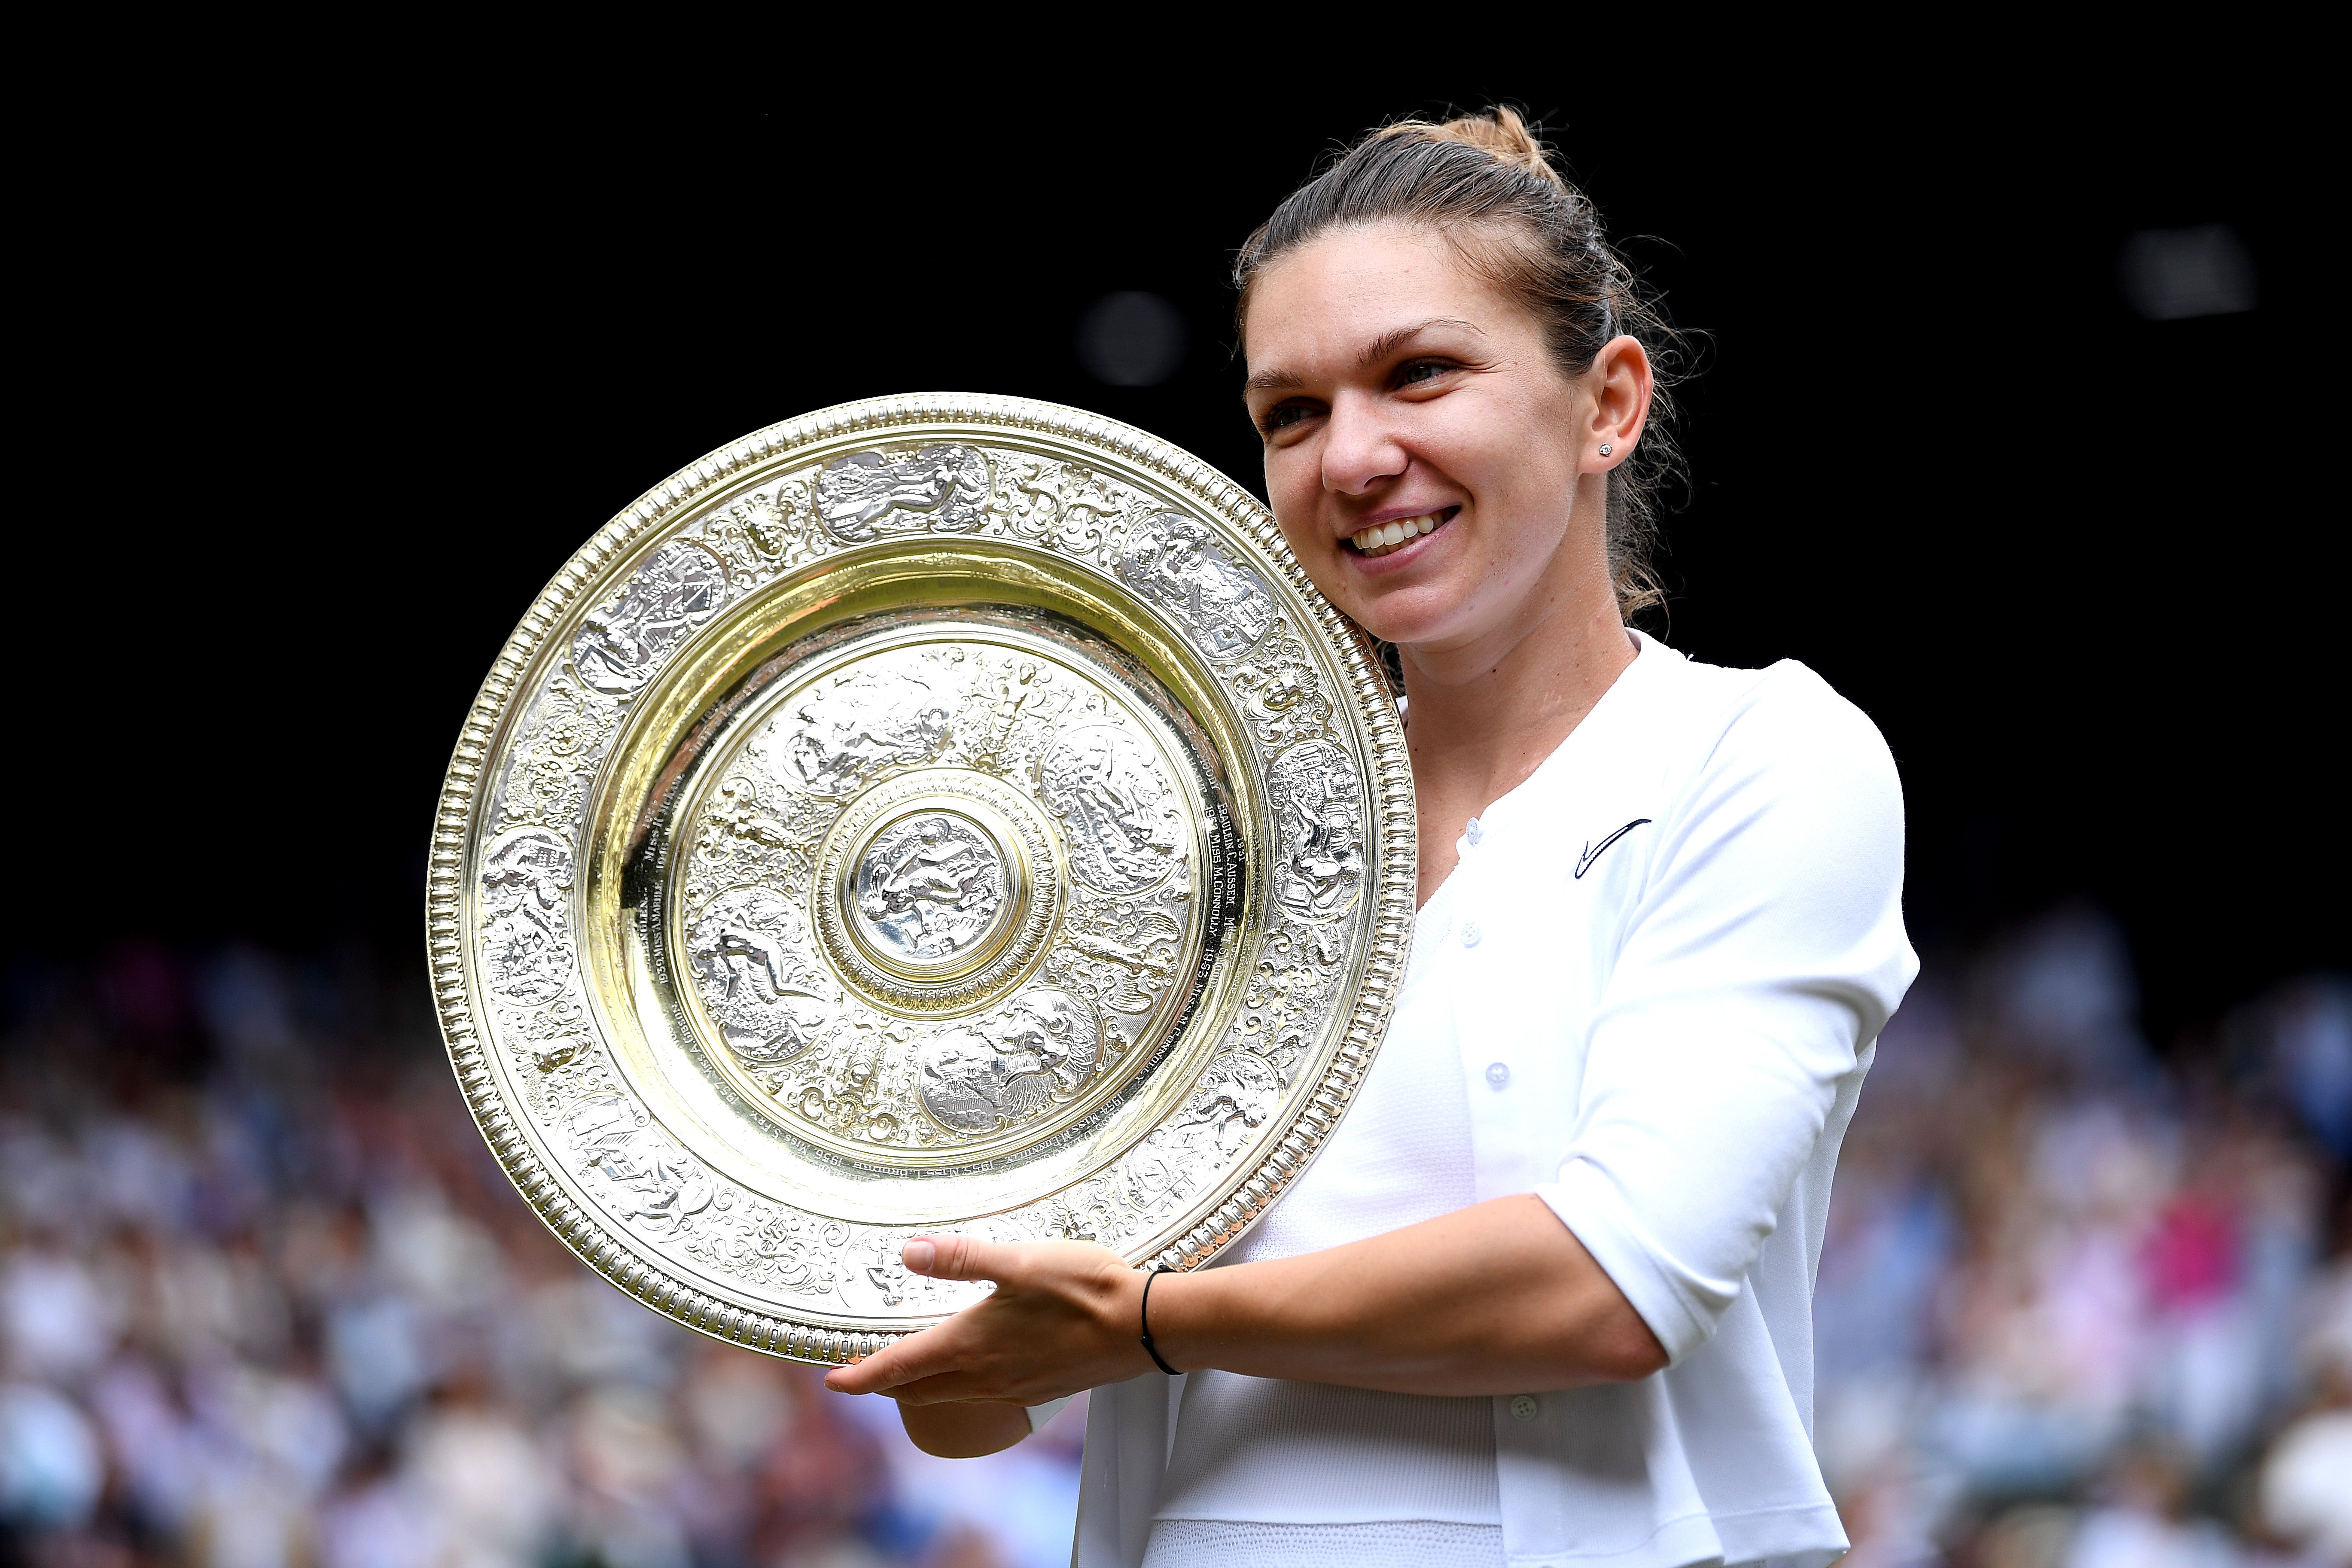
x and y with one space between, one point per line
1387 536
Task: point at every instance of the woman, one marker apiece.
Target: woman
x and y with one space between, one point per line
1548 1294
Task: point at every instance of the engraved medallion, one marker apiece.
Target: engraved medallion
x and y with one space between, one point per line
929 886
931 815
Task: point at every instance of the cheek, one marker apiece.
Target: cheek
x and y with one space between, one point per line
1318 555
1293 478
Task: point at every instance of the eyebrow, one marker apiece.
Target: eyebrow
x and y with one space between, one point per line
1378 348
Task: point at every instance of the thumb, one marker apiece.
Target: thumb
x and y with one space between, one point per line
957 1257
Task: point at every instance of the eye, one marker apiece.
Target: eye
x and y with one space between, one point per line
1283 416
1420 372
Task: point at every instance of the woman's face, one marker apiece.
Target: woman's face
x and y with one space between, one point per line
1396 391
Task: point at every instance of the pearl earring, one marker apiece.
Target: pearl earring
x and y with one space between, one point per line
1606 449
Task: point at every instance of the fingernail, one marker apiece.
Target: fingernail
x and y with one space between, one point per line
920 1254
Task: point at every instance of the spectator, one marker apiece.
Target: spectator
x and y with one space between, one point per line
265 1300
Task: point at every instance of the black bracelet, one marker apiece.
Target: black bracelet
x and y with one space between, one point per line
1152 1271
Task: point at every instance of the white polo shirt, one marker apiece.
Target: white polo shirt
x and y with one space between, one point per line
1665 961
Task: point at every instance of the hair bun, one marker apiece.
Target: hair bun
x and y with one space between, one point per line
1500 133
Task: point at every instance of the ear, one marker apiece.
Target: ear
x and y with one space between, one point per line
1621 382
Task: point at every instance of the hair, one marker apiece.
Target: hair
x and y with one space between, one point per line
1488 185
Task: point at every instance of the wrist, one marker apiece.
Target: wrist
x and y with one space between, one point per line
1151 1341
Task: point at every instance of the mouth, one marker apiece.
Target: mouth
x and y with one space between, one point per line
1384 538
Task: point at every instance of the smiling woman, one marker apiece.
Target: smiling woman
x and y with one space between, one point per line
1511 221
1547 1293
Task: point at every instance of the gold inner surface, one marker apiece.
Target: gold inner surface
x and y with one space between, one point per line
1015 1104
937 896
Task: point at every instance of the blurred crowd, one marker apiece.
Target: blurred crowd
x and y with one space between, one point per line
266 1301
2083 1304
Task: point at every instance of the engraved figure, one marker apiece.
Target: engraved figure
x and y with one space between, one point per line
1012 1063
623 642
749 955
1133 955
1282 699
526 932
1178 563
1235 1094
929 886
1053 1028
865 495
1113 803
1318 871
852 727
632 1169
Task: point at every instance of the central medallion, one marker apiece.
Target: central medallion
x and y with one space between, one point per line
936 891
939 899
929 892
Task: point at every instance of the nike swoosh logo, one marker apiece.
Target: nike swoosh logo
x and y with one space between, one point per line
1593 851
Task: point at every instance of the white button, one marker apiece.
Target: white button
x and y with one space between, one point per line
1474 833
1470 933
1523 1408
1498 1075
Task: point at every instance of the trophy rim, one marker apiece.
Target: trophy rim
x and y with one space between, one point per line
1240 1196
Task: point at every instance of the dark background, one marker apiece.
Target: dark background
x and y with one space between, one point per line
325 390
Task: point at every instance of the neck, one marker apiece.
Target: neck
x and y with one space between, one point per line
1485 714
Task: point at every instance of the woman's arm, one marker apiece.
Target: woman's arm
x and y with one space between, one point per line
1496 1299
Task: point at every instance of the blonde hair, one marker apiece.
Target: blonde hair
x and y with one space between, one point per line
1487 183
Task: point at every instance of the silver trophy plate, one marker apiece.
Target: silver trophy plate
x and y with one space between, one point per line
938 814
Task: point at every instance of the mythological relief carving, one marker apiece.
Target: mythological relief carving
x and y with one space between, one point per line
774 522
1280 693
1178 565
930 886
878 789
1233 1098
550 1038
1003 1068
1318 818
1120 954
555 1054
1114 808
526 937
855 725
750 955
632 1168
623 642
869 495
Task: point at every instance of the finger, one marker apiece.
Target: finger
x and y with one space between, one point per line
960 1258
945 1347
886 1368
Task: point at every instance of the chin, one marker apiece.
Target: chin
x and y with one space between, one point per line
1404 622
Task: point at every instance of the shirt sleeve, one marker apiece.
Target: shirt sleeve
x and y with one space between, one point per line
1765 952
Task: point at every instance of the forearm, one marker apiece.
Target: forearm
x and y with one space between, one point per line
1499 1298
964 1431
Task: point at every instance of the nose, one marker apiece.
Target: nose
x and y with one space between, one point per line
1359 449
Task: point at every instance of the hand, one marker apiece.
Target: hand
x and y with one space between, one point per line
1065 1315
